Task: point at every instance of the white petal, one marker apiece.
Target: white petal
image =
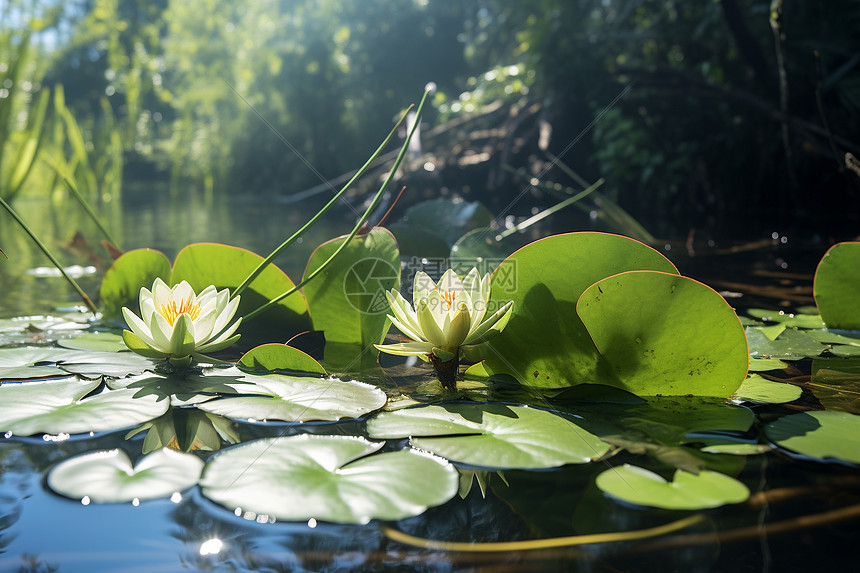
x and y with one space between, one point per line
161 293
225 315
450 282
138 327
429 327
203 326
422 286
492 326
402 310
161 332
413 334
221 337
438 310
183 291
406 348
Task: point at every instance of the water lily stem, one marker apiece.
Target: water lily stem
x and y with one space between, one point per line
358 225
256 272
53 259
446 371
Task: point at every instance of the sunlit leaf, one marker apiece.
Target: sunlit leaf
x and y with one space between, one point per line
327 478
686 491
545 279
491 435
32 362
56 407
109 477
766 364
347 300
95 363
837 286
821 435
758 389
792 344
298 399
665 334
205 264
798 320
100 341
273 357
122 282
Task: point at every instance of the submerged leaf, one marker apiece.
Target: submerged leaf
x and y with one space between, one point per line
328 478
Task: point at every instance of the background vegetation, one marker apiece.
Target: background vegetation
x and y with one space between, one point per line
731 111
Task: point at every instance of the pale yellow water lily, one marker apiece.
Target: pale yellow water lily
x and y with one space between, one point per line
444 316
177 324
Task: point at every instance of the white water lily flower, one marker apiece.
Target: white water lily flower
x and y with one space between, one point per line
178 325
444 316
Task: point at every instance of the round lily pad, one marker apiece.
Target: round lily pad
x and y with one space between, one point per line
837 286
57 407
758 389
328 478
820 435
639 486
296 398
491 435
109 477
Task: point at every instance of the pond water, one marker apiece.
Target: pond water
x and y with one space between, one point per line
802 514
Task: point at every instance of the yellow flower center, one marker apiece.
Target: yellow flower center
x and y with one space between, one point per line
172 310
448 296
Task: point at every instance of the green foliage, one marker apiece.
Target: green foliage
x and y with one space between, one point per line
492 435
686 491
821 435
837 286
545 280
329 478
273 357
664 334
122 281
347 300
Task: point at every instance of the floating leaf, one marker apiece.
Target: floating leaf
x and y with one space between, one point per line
31 362
100 341
109 477
665 334
491 435
766 364
836 383
121 284
790 345
347 301
821 435
737 449
57 407
447 218
837 286
758 389
298 399
327 478
272 357
204 264
798 320
545 279
686 491
117 364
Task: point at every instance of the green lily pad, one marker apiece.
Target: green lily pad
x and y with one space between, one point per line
298 399
686 491
328 478
836 383
491 435
737 449
121 284
665 334
273 357
545 280
204 264
796 320
820 435
792 344
100 341
59 407
758 389
766 364
447 218
117 364
347 300
837 286
109 477
32 362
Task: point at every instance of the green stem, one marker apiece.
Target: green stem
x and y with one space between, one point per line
358 225
53 259
256 272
